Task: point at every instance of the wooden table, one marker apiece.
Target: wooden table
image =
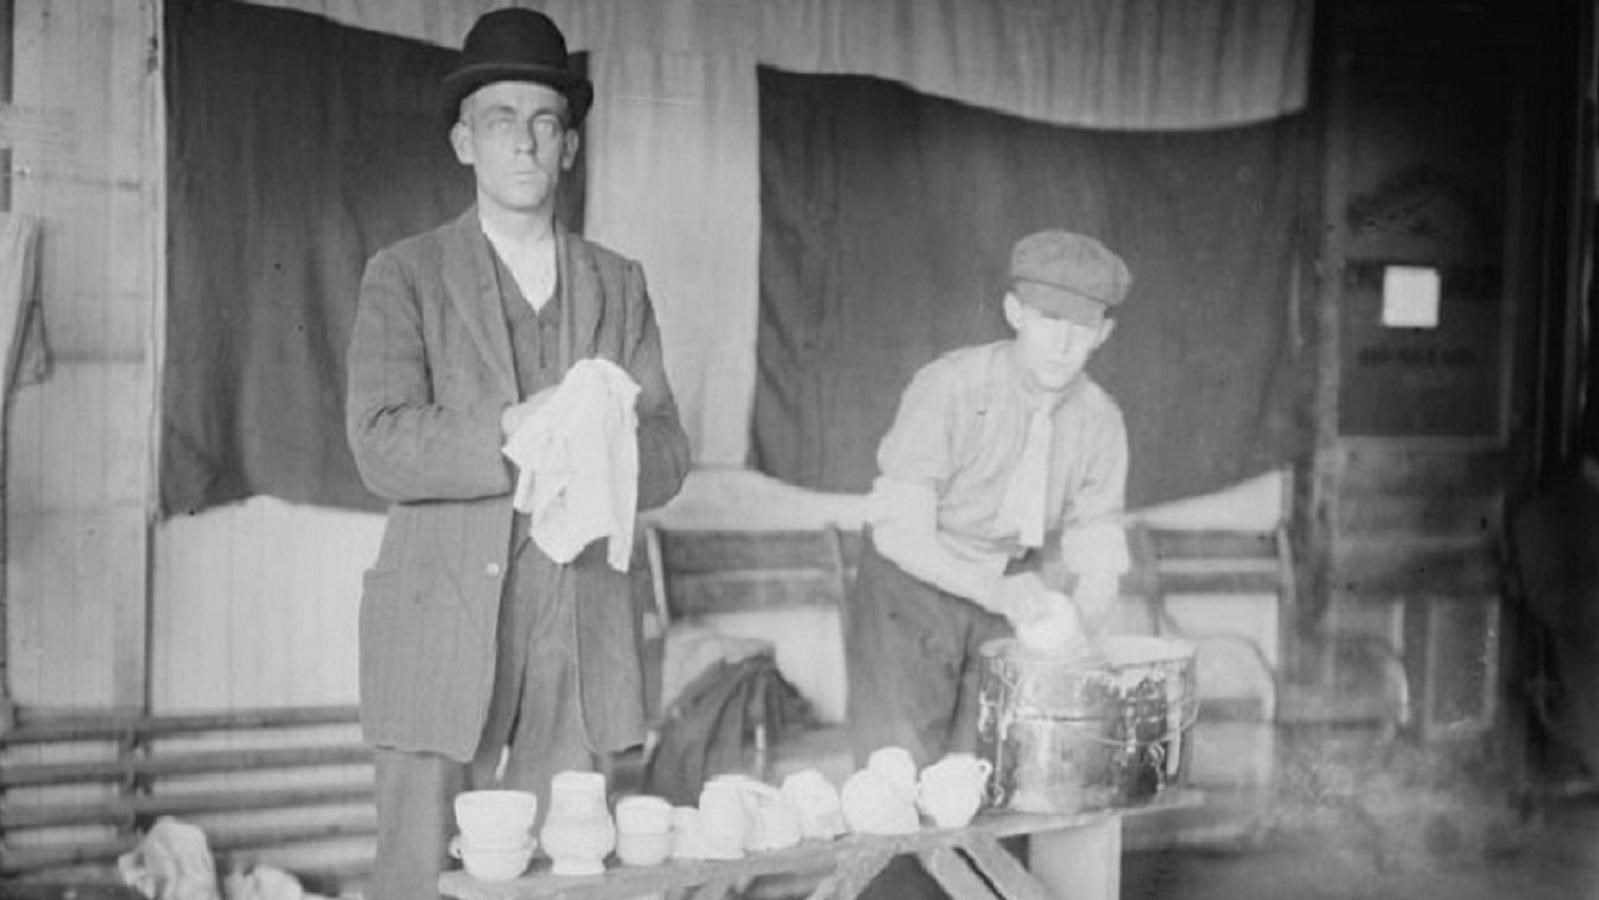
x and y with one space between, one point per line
1074 857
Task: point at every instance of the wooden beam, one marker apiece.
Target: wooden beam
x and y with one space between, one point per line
955 875
1005 870
41 726
1079 863
131 768
120 810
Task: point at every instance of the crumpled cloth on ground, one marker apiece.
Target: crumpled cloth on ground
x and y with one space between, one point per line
263 882
172 862
577 461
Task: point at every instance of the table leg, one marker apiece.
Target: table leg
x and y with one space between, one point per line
955 875
1080 863
1004 870
715 889
850 877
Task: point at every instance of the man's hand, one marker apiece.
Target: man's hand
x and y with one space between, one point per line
1023 599
513 416
1096 597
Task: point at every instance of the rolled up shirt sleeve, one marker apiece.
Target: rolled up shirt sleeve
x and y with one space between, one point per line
905 530
917 458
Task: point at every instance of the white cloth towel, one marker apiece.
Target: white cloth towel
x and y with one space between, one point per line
578 464
23 350
171 862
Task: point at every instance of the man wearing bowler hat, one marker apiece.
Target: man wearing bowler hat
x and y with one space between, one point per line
484 662
994 450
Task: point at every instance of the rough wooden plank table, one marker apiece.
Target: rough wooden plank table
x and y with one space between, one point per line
1074 857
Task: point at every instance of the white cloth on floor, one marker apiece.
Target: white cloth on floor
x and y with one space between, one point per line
172 862
264 882
577 461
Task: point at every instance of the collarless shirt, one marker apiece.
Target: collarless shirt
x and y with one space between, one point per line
535 350
960 431
531 264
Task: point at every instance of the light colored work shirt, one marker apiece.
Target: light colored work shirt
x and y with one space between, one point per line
959 432
531 263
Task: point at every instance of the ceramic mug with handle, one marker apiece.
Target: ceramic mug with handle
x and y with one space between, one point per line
951 790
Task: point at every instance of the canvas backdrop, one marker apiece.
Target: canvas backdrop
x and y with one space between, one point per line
887 222
673 155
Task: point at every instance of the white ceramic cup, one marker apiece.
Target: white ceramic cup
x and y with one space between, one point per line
724 819
496 817
639 848
643 814
897 766
816 800
578 832
874 805
778 827
951 790
496 862
686 840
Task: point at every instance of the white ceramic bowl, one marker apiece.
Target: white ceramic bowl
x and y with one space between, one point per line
496 817
644 849
897 766
643 814
497 863
874 805
494 844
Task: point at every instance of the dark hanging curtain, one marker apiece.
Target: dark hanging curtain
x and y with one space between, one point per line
887 222
296 149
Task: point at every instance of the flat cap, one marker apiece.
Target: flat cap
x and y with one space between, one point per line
1068 276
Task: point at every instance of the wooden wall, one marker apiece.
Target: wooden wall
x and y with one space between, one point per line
249 605
252 604
1414 424
86 159
255 604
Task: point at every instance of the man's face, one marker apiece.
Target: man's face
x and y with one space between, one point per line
1052 351
514 136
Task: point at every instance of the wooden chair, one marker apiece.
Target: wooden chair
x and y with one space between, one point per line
697 574
1235 762
1184 561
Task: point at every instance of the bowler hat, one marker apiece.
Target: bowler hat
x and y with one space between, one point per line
1068 276
515 44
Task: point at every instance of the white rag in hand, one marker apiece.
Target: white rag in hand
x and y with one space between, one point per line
577 461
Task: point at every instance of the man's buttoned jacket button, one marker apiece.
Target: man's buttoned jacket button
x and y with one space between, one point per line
492 570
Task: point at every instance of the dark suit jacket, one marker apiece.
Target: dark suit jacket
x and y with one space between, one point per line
430 369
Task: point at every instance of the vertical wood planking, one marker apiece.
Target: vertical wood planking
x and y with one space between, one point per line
78 461
256 605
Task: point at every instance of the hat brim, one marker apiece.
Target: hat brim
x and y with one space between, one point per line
458 85
1059 303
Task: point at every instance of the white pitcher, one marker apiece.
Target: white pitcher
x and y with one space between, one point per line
950 791
578 833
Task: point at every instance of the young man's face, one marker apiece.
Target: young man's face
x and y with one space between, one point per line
514 136
1052 351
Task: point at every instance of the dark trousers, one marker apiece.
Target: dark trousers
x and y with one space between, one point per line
912 656
535 719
